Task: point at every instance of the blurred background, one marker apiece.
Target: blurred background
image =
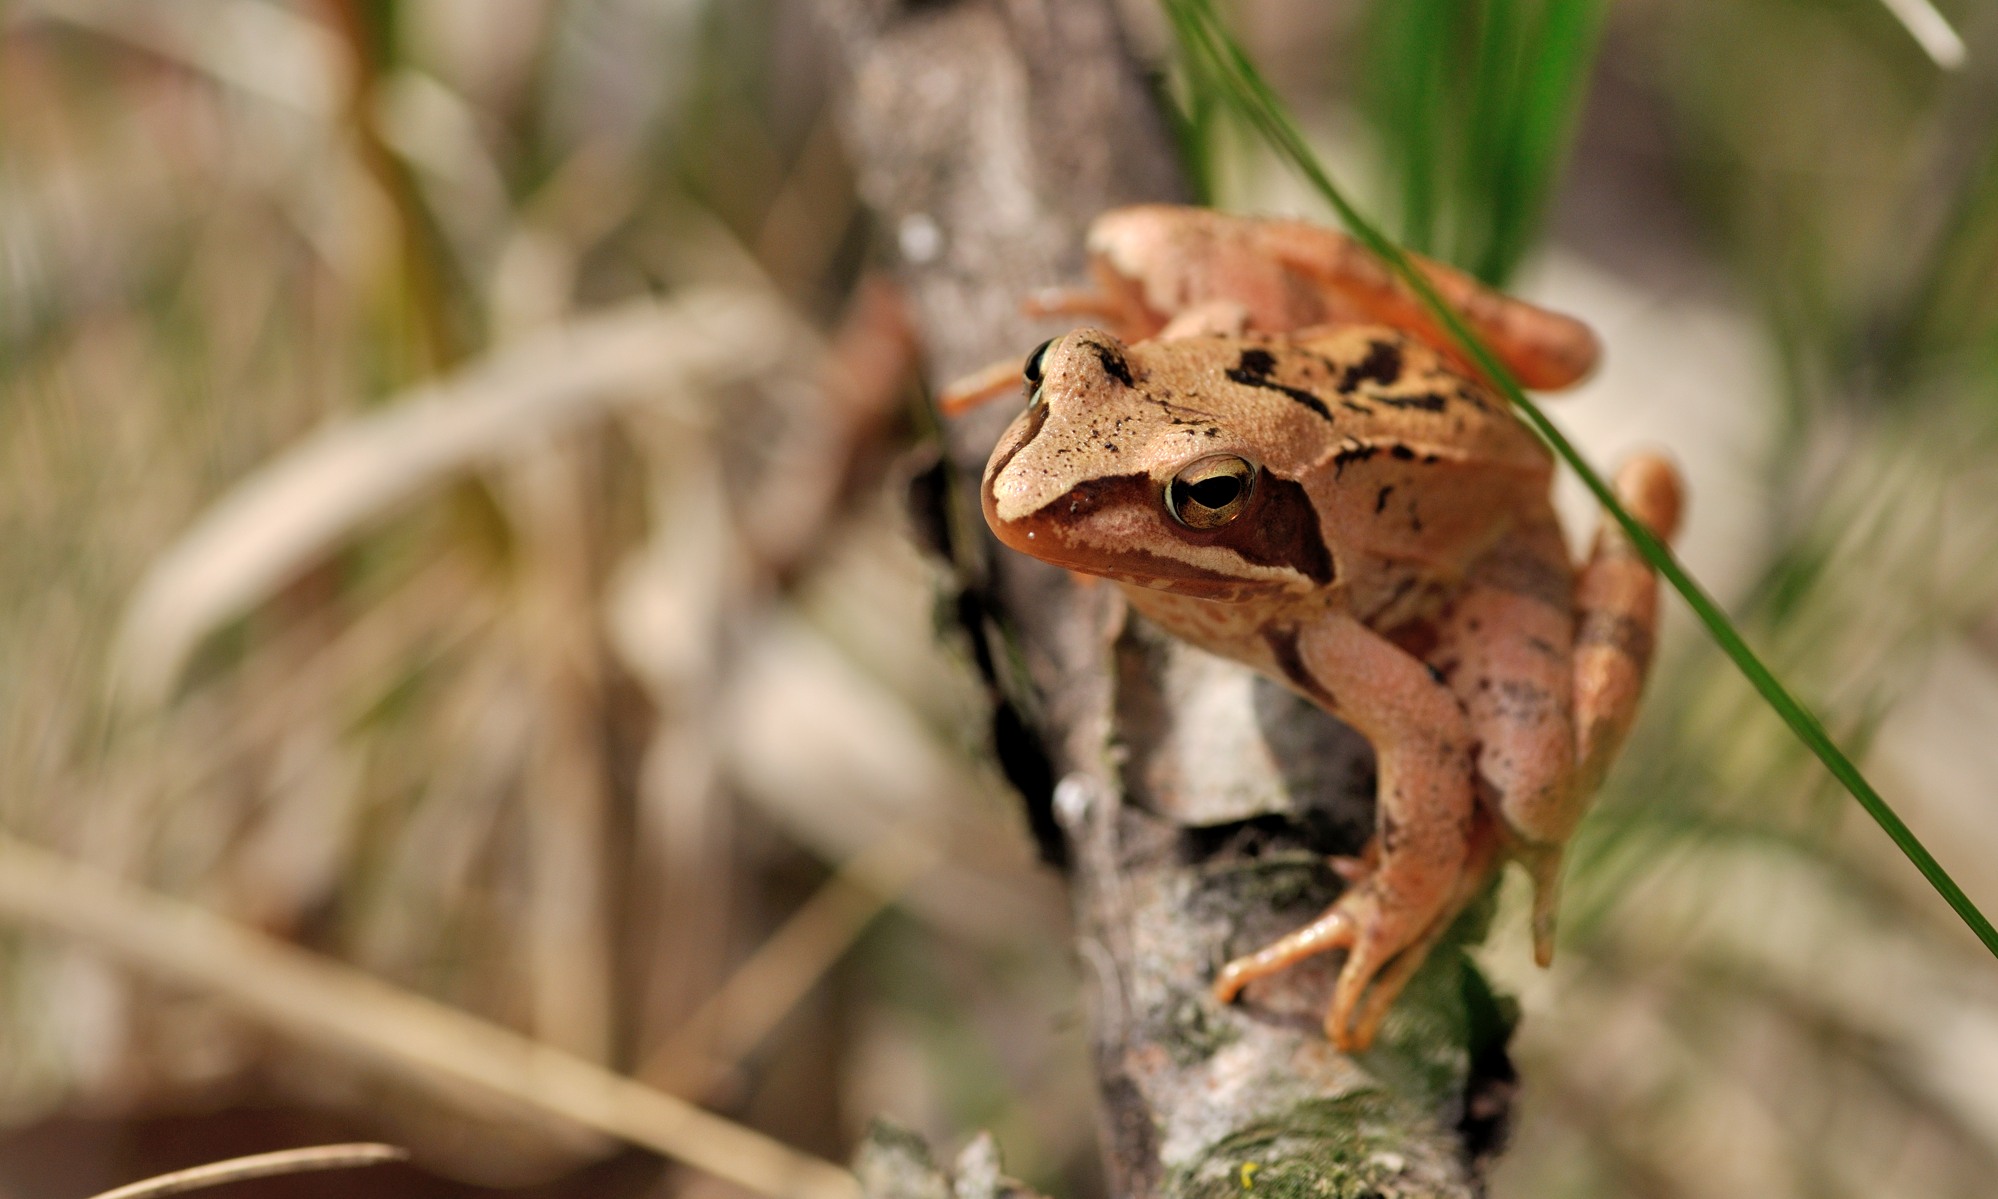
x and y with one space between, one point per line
451 471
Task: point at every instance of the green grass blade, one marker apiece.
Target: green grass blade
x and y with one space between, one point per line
1472 102
1214 56
1409 87
1548 89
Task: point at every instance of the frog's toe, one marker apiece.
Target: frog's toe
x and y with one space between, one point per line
1335 929
1543 865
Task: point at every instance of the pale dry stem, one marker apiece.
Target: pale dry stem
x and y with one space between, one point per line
260 1165
331 1005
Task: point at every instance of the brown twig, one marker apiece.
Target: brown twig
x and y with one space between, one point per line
1194 802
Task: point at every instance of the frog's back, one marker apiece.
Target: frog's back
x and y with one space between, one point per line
1412 461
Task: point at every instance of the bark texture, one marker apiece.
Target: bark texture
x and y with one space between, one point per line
1193 802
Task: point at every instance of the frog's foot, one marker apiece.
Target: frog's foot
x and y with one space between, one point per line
1074 301
1216 318
1108 300
1332 930
979 388
1487 843
1374 934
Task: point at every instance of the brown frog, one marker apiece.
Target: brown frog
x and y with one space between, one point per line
1347 509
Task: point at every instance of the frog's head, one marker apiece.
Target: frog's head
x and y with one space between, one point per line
1127 464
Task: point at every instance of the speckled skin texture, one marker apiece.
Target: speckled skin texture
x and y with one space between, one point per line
1393 555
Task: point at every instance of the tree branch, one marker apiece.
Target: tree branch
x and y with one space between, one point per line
1195 802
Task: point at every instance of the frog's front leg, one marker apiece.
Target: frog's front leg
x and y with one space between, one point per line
1425 809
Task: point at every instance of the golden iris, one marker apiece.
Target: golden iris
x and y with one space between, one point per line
1211 492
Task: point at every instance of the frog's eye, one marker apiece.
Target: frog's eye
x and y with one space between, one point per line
1032 371
1211 492
1035 360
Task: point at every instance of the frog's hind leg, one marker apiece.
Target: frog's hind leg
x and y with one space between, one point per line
1545 350
1424 817
1506 647
1616 602
1616 618
1615 624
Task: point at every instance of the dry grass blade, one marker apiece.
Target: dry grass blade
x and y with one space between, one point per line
264 50
332 1005
764 989
291 511
261 1165
1931 31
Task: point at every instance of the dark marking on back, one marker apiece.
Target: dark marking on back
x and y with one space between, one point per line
1253 369
1113 363
1352 453
1256 363
1474 397
1283 647
1429 402
1380 501
1402 452
1382 365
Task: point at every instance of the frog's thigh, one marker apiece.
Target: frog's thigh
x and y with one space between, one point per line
1506 647
1545 350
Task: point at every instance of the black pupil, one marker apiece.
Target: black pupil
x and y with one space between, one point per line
1216 492
1033 370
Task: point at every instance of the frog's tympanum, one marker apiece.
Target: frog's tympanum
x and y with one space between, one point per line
1278 464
